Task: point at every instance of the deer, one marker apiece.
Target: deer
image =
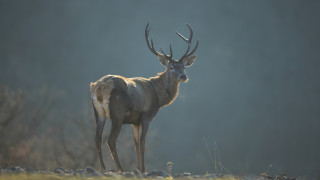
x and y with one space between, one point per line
137 100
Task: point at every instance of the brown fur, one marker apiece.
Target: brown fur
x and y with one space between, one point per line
99 94
167 93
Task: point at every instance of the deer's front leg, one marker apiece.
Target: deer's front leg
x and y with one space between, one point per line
136 137
144 129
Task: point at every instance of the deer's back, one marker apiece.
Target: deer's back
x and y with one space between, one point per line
140 92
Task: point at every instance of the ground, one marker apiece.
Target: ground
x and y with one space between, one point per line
14 173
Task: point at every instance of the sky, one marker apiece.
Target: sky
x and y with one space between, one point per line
253 92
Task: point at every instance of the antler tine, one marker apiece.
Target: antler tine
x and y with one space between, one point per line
171 54
163 53
180 35
191 33
168 57
187 41
151 47
194 50
188 53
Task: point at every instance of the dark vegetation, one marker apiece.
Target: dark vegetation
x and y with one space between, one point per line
34 134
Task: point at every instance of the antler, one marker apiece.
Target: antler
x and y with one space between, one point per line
151 46
188 53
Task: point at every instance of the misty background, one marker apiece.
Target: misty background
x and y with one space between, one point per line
253 91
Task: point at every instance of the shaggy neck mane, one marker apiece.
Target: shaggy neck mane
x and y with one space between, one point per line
166 88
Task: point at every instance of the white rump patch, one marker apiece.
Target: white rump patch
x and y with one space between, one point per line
104 86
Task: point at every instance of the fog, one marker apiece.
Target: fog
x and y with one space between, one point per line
254 89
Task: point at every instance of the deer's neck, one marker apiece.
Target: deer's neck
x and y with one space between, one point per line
166 88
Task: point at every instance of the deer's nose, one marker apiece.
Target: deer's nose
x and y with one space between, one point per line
183 77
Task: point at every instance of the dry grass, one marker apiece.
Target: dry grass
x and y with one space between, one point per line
47 177
37 130
56 177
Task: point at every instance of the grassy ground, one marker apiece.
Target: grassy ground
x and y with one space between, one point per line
57 177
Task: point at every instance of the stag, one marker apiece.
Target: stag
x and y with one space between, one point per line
137 100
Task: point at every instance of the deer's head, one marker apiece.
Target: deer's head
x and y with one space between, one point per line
175 68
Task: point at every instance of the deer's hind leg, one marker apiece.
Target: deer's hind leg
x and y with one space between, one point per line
119 105
100 117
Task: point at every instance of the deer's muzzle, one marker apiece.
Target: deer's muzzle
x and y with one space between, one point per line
183 78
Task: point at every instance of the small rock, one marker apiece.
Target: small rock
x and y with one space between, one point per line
112 170
185 174
69 171
145 175
136 171
59 170
107 174
30 170
79 172
120 172
155 173
129 174
211 176
15 169
90 169
102 170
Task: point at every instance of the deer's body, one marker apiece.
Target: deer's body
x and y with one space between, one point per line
143 95
137 100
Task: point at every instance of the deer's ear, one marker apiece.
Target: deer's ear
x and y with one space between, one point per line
163 60
189 61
